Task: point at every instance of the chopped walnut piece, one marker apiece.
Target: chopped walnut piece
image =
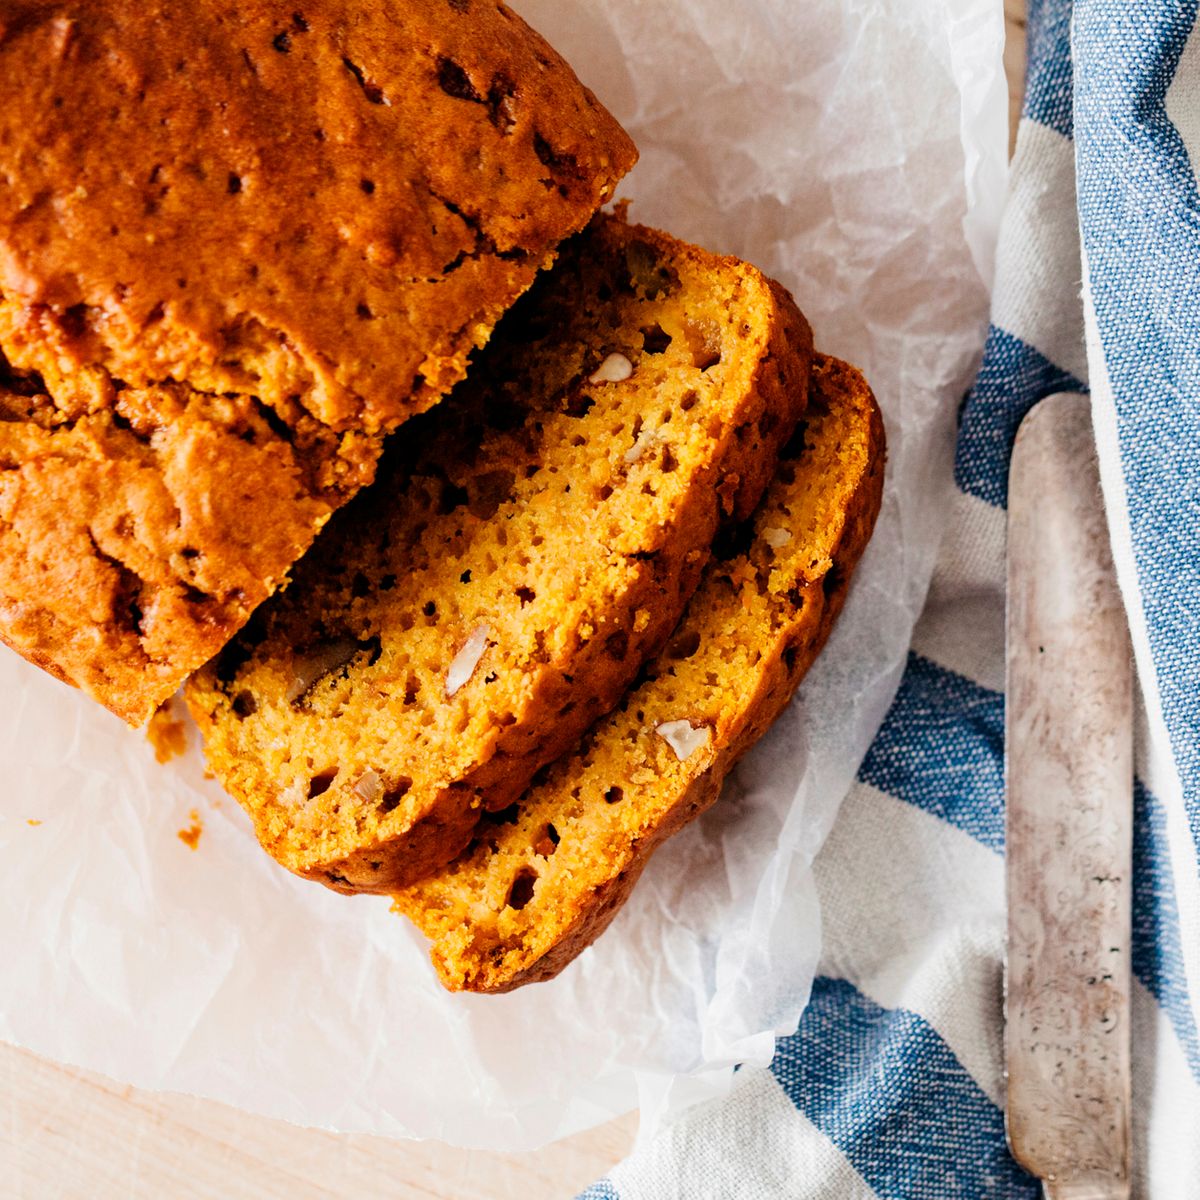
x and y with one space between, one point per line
684 738
466 660
616 368
369 785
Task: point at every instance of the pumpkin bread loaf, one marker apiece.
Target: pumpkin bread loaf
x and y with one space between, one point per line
540 882
238 245
530 543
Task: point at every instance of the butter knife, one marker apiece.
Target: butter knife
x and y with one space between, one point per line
1069 819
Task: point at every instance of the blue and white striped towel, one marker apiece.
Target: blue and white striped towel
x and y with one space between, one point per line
892 1086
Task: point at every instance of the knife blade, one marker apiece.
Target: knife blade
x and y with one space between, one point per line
1069 816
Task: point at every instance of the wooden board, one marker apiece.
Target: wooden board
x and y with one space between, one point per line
71 1135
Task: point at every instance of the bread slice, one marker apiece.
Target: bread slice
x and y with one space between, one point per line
539 883
233 253
532 543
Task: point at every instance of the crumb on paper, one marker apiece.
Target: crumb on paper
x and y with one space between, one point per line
166 733
32 821
190 836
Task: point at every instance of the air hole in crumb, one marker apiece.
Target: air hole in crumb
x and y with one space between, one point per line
525 595
669 461
547 841
190 552
704 342
655 339
521 891
393 796
387 582
614 795
604 492
689 400
368 186
318 785
235 184
465 577
430 608
360 585
244 705
505 816
300 23
579 405
364 312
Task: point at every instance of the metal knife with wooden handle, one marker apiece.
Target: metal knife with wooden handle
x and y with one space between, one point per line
1069 823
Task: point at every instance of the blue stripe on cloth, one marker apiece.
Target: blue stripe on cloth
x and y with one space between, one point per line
889 1093
1048 92
1157 945
1011 380
1140 217
601 1190
941 747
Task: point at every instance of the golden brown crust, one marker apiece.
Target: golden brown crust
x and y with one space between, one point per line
323 201
560 520
483 939
235 248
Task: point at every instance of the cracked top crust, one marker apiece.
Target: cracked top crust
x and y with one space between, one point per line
237 246
329 200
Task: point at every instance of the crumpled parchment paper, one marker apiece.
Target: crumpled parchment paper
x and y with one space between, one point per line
853 148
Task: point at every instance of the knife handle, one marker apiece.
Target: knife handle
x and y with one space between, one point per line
1086 1189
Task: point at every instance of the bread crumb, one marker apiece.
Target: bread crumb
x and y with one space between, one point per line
32 821
167 733
190 836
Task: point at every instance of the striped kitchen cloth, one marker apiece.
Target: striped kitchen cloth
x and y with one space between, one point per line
893 1085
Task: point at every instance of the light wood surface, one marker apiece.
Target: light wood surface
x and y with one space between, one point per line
67 1134
71 1135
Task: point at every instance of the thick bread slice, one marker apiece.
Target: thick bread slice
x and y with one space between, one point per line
541 882
533 541
237 245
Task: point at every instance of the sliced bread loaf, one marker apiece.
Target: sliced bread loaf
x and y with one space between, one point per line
237 245
530 543
540 882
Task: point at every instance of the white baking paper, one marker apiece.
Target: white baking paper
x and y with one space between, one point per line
853 148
